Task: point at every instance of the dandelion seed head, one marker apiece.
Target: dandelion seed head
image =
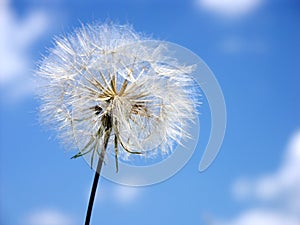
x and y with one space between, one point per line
104 80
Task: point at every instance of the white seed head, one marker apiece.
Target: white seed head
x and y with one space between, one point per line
104 83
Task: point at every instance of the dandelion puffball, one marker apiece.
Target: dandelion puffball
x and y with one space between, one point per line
103 87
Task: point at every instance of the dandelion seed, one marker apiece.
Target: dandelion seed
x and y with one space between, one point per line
107 93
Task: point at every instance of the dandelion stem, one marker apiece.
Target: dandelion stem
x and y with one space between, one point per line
96 177
93 192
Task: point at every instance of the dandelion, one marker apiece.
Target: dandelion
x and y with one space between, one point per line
106 91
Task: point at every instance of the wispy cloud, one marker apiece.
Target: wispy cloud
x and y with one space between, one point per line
125 194
263 217
17 37
118 193
49 217
230 8
240 45
278 193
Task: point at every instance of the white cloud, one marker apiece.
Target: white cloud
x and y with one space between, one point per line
126 194
263 217
17 37
283 183
231 8
278 193
49 217
120 194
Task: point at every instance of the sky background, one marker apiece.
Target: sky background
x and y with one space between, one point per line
253 48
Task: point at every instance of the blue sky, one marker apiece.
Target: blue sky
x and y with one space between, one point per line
253 49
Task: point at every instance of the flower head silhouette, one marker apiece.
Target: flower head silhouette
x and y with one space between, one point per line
105 90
